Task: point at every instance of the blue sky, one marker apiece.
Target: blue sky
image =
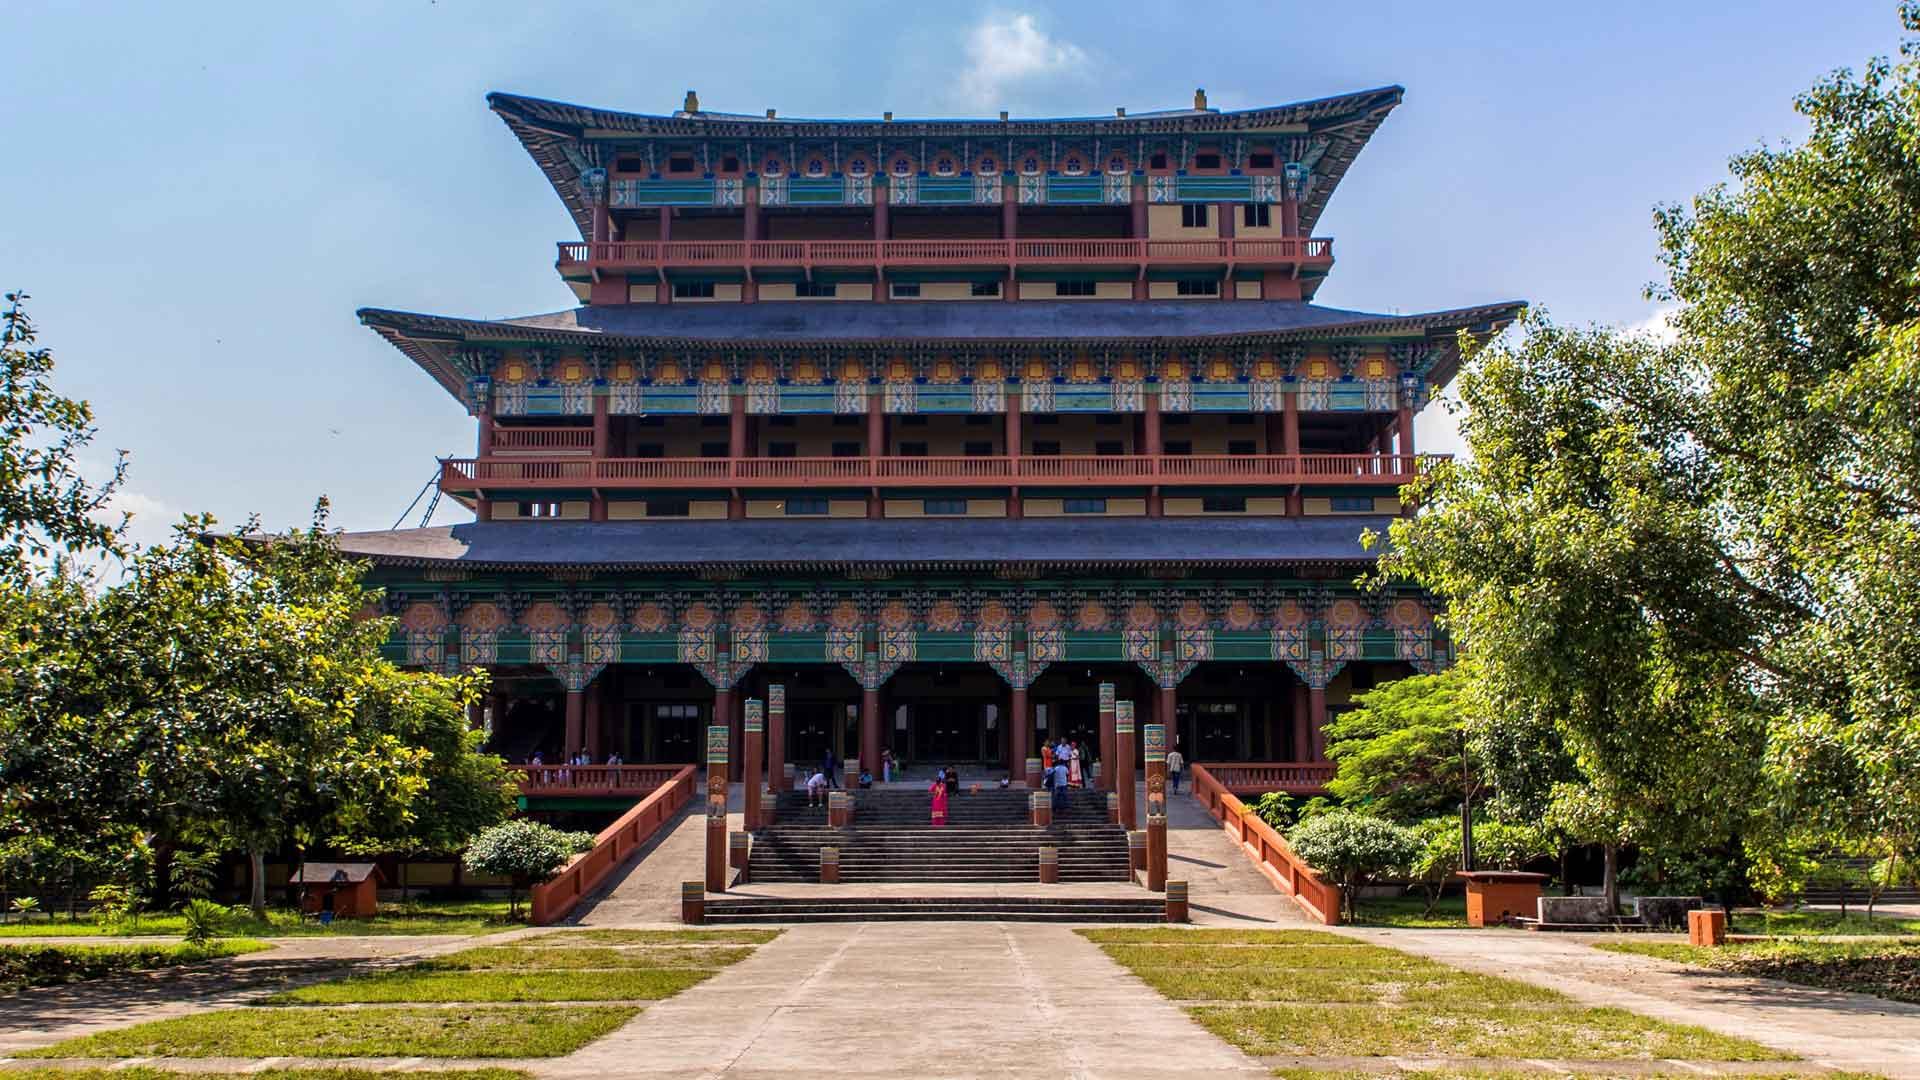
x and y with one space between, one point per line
200 195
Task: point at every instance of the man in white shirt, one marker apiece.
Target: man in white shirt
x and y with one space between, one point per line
816 788
1175 763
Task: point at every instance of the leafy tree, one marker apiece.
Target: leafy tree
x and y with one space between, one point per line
524 851
1353 850
1590 816
1276 808
1497 845
1398 753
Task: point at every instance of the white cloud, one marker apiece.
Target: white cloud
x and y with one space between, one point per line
151 519
1658 326
1006 49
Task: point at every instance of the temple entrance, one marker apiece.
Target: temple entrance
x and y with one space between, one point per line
948 731
823 713
811 728
667 732
941 714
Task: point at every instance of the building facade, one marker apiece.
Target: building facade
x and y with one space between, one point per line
934 424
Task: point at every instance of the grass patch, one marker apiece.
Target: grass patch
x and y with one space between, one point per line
1887 969
651 937
392 987
490 1032
1817 922
412 918
1534 1074
567 959
1410 912
145 1072
25 966
1311 993
1499 1031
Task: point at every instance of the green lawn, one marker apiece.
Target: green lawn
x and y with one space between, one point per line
1534 1074
393 987
29 965
651 937
1817 922
1314 994
416 917
1411 912
509 1031
1887 968
143 1072
566 959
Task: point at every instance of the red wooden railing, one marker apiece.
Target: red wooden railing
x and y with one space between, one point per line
591 780
463 474
1267 849
523 440
1260 777
805 253
611 847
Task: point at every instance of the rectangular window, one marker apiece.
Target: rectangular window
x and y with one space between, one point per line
1257 215
680 163
1206 161
693 290
629 164
1260 161
979 449
943 506
781 421
539 509
1241 446
979 421
715 421
815 290
1197 288
1108 448
1224 504
986 288
668 508
1179 449
656 450
1157 161
905 290
1046 419
913 421
913 449
807 507
1073 288
1193 215
1045 448
710 450
1178 419
1352 504
846 449
783 450
1084 506
650 421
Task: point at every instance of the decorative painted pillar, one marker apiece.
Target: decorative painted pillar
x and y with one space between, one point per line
777 738
1019 735
1014 496
870 729
736 447
1156 748
1123 762
754 749
1106 736
1153 446
1167 713
1317 720
576 722
1290 441
485 449
717 806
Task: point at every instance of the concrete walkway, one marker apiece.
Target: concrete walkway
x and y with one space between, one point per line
903 999
1838 1030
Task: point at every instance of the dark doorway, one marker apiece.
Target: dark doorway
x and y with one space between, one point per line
669 732
810 727
939 714
946 730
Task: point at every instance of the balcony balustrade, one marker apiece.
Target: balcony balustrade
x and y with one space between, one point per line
533 472
627 256
591 780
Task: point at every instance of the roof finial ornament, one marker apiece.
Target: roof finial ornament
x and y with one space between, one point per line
770 114
692 103
1200 99
1120 111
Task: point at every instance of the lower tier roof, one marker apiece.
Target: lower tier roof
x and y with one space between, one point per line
922 543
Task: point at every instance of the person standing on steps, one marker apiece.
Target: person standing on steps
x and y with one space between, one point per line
1175 763
1073 764
1057 780
886 766
827 765
938 792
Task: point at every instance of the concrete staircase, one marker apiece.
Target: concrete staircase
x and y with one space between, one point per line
747 909
987 839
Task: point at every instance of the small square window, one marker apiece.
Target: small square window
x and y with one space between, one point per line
1206 161
815 290
1046 419
693 290
782 450
1073 288
1046 448
905 290
846 449
1157 161
1241 446
1197 288
711 450
1179 449
629 164
986 288
943 506
1193 215
1351 504
1257 215
1224 504
780 421
913 449
680 163
668 508
806 507
978 449
729 164
1084 506
1260 161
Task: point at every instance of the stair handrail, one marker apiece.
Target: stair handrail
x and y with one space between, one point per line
1268 850
614 844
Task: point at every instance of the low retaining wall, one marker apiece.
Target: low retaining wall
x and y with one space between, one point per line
1268 851
552 901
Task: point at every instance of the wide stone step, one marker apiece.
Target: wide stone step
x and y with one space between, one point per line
953 909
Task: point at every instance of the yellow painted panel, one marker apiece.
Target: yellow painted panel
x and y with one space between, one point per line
1163 223
642 294
1247 290
626 510
708 509
847 508
1042 507
1163 290
1113 290
1267 507
581 290
1179 506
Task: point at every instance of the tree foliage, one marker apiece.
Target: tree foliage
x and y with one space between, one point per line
1398 753
525 851
1353 849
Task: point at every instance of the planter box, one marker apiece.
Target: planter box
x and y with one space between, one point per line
1497 896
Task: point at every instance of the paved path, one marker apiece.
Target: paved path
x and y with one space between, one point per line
1223 887
1839 1030
1006 1000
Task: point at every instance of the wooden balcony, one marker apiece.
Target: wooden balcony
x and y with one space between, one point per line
641 256
591 781
530 472
1260 777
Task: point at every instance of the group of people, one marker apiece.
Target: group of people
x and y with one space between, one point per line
563 773
1065 753
946 784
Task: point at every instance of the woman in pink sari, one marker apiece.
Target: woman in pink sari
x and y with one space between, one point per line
1073 764
939 792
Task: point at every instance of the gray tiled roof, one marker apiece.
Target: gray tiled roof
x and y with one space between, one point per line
941 542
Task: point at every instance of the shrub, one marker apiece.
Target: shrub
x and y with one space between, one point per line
1276 808
1353 849
116 903
522 850
205 920
578 843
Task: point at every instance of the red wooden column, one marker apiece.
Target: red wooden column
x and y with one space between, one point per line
1290 441
777 738
1317 720
736 446
1010 232
1019 735
882 232
1302 734
1228 213
1014 497
1106 736
576 722
664 293
1154 448
753 749
870 730
594 723
485 449
1156 753
717 735
1166 713
876 447
1406 429
1123 763
750 232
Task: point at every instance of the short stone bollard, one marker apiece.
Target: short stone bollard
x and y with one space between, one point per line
829 866
738 851
1049 865
839 809
768 808
1136 851
1176 901
1113 808
1033 772
1040 808
693 903
786 776
1707 926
